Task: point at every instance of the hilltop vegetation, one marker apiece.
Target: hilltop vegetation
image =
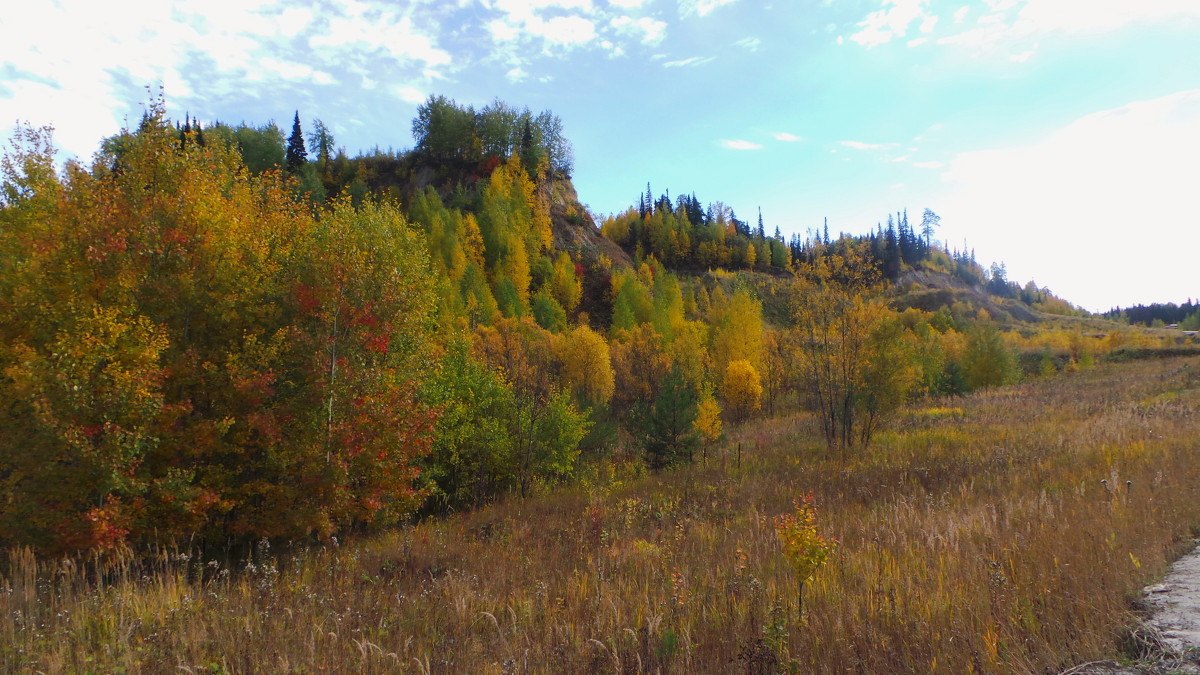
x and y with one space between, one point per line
209 337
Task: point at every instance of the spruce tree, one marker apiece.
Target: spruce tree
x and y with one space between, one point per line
296 155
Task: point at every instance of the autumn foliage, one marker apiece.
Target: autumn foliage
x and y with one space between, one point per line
187 351
197 346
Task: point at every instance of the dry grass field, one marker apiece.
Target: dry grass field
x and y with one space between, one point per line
1008 531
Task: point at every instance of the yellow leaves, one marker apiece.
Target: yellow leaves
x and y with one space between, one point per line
737 328
805 549
587 366
565 284
742 389
708 416
472 240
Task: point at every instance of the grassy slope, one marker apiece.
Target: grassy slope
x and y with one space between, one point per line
977 539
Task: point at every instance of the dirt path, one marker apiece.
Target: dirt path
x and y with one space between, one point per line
1175 604
1170 639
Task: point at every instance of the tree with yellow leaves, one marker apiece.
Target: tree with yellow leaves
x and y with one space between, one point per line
835 321
586 365
737 329
742 389
708 417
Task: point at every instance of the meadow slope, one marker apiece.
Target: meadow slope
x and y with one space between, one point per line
1007 531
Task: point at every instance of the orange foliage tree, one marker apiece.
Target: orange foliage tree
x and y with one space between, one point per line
185 350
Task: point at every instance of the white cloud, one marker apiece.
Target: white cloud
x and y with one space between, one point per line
82 88
750 43
516 74
917 42
1006 21
700 7
740 145
565 30
787 138
1088 15
293 72
521 20
398 37
893 20
411 95
294 20
647 30
688 62
502 31
626 4
1102 211
929 165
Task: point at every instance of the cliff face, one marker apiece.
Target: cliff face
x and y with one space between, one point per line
575 231
929 291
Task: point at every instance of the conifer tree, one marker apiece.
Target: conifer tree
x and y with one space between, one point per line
296 154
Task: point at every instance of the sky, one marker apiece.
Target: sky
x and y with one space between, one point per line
1060 137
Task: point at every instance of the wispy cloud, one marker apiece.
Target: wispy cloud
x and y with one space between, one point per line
892 20
647 30
700 7
749 43
787 138
1011 25
929 165
411 95
689 62
740 145
396 36
859 145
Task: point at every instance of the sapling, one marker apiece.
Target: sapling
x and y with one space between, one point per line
805 549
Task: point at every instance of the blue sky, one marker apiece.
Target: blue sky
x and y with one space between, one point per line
1059 136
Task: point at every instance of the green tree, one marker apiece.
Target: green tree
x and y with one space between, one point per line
669 423
548 313
988 362
473 456
930 221
296 156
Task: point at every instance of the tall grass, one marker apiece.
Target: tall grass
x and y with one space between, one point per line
1009 533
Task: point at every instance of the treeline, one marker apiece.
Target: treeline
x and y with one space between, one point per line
454 145
194 351
1186 315
685 234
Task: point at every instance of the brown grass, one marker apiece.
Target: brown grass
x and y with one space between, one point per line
974 538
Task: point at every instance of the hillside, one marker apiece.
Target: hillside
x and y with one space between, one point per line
928 290
217 339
